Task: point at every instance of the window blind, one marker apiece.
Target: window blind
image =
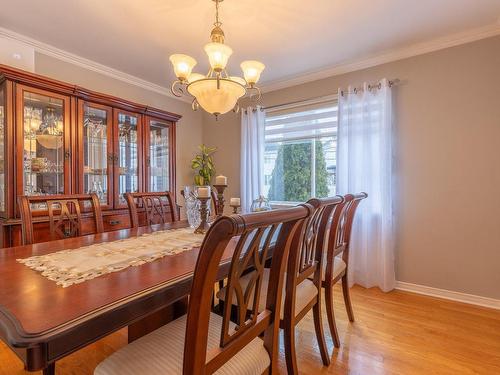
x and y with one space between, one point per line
313 121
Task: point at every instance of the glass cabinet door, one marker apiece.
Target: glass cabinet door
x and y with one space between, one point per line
158 159
2 148
96 159
44 131
127 154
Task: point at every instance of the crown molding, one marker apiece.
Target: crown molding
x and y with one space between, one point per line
351 66
82 62
386 57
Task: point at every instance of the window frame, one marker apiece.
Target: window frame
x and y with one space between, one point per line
300 110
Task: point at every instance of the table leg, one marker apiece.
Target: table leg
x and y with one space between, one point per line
50 369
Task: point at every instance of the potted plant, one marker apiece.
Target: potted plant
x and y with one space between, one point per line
204 168
203 165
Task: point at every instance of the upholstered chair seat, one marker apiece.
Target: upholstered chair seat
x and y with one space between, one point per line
306 292
338 267
161 352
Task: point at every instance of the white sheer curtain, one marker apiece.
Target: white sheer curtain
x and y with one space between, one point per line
364 163
252 155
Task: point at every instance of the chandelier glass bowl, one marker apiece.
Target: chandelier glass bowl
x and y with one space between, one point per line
216 92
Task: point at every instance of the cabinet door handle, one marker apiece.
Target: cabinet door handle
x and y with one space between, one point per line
114 222
67 154
110 158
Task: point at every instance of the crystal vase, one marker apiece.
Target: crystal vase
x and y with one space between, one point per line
192 205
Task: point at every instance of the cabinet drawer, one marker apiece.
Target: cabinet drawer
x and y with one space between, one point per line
116 222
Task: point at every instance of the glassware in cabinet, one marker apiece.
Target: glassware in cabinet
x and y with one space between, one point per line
127 155
159 156
95 150
44 153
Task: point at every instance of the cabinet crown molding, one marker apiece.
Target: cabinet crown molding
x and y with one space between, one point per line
42 82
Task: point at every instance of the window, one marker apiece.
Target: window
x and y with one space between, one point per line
300 152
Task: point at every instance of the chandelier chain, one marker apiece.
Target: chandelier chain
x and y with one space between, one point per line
217 22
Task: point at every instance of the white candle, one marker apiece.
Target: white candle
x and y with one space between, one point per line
204 192
221 180
234 202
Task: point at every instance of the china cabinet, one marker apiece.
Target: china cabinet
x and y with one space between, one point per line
58 138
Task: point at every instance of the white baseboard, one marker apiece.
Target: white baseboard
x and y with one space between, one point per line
450 295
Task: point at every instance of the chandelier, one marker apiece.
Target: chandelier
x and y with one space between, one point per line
217 92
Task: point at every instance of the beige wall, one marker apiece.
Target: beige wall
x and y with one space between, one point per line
448 162
189 129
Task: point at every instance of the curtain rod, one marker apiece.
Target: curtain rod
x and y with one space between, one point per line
324 98
299 103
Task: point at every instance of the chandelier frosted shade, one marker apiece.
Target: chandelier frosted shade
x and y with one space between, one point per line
216 97
252 70
183 65
218 55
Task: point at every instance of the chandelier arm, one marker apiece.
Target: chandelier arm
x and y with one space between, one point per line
254 96
195 105
236 107
176 89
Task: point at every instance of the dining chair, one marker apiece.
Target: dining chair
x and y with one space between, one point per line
64 214
337 258
202 342
214 203
303 282
159 207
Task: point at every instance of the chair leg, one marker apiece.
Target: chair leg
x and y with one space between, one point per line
347 297
50 369
320 336
331 316
289 341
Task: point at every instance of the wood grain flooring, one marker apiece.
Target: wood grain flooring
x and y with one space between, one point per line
394 333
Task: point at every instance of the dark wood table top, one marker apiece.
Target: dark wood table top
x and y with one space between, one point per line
34 308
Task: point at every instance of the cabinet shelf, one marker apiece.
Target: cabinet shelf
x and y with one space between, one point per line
43 172
95 174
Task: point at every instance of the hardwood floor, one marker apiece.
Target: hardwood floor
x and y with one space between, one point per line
394 333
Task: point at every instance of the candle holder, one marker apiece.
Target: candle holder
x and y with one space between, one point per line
203 227
235 209
219 207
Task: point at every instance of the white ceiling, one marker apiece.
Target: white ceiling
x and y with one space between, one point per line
291 37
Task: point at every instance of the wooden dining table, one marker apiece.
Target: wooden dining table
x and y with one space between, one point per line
43 322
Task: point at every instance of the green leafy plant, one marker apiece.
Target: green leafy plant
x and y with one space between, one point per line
203 165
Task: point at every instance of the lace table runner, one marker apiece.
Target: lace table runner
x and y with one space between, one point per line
74 266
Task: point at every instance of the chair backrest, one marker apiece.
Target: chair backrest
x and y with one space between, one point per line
307 262
214 204
251 236
64 213
355 200
340 231
159 207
